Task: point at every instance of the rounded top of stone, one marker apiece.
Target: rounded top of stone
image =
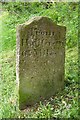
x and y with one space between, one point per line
40 18
36 19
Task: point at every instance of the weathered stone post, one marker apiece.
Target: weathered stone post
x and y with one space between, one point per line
40 60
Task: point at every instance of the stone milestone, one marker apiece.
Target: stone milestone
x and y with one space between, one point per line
40 60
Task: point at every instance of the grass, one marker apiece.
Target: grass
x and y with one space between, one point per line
62 105
8 32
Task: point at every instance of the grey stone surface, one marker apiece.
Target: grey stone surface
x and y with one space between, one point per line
40 60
